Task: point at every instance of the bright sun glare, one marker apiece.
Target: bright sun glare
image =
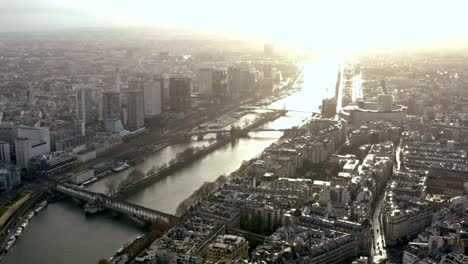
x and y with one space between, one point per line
307 23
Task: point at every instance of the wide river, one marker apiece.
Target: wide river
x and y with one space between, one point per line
62 233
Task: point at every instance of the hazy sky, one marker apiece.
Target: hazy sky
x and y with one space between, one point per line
328 23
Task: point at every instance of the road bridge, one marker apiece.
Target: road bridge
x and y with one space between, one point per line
103 201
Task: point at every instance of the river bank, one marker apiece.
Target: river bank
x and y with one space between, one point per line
135 186
15 219
66 228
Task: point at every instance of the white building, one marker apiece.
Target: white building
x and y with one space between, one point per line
30 142
153 96
383 110
400 223
23 152
39 138
84 104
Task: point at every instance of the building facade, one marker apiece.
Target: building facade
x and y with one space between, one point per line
84 105
180 89
5 153
10 177
205 81
111 105
227 248
135 109
234 82
153 96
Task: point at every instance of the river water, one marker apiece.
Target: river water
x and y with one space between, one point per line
62 233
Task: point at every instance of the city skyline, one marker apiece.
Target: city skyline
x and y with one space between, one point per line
242 132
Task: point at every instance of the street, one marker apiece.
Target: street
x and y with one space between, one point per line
378 251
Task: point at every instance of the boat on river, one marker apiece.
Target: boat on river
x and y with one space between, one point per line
40 207
10 243
25 223
18 232
121 166
94 179
30 215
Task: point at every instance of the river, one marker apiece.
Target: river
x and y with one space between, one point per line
63 234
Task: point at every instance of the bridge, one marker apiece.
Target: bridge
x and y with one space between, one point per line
222 131
103 201
275 109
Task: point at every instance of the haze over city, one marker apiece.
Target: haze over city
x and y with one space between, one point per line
243 132
307 24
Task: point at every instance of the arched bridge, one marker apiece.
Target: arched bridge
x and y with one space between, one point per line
104 201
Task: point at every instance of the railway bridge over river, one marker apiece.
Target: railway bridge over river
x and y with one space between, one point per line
102 201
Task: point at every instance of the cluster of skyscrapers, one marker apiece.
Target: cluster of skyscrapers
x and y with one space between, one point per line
127 106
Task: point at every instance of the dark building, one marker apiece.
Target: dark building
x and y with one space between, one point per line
180 89
110 105
220 89
135 104
328 107
135 109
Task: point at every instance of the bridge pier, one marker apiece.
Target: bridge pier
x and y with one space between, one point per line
93 208
78 201
200 137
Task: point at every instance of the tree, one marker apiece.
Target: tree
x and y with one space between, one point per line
111 187
104 261
163 166
135 175
183 207
152 170
161 225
